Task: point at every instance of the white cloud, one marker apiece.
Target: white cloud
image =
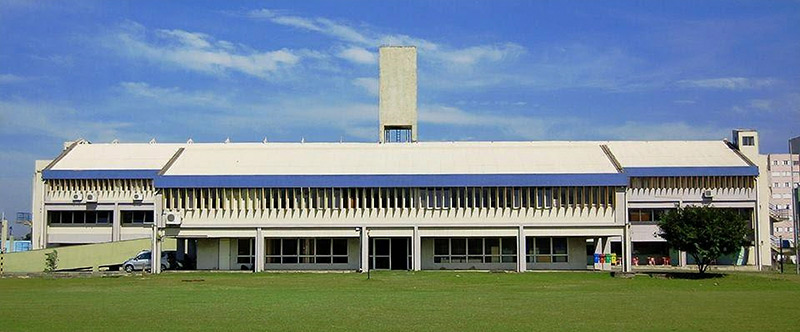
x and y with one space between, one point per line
728 83
201 52
370 84
358 55
364 37
174 96
53 120
11 78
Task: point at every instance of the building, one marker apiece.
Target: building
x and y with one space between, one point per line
784 175
399 203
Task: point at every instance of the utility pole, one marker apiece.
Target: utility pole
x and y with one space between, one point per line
3 237
794 148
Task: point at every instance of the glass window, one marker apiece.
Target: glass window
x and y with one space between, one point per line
458 246
559 246
441 246
323 246
543 246
340 247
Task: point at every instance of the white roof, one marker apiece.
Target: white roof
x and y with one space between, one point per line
675 154
411 158
121 156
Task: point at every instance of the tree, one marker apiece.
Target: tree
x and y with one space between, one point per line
706 233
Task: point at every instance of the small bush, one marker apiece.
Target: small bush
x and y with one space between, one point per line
51 261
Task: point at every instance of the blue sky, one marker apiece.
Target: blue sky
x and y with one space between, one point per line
487 71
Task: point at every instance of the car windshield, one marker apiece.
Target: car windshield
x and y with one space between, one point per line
144 255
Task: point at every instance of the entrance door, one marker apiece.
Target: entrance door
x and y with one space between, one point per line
390 253
381 254
399 254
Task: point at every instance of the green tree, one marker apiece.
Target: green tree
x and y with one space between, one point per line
706 233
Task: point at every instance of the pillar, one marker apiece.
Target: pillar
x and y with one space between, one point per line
416 251
116 224
606 250
682 261
259 251
627 250
522 263
598 250
364 249
155 251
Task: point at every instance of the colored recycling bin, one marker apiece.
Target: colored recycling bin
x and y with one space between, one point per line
613 259
608 258
597 258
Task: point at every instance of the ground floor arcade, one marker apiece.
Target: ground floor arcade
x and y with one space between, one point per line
412 248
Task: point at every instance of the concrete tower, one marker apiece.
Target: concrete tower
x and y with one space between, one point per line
398 94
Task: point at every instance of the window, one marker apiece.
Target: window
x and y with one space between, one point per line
474 250
129 218
645 215
307 251
245 252
748 141
547 250
79 217
786 163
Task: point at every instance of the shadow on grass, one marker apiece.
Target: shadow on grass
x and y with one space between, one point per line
671 275
694 275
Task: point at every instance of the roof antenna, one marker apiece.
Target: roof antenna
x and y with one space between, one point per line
265 140
153 141
227 140
115 141
341 139
190 141
302 139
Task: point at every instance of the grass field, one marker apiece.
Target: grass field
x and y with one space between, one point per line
444 301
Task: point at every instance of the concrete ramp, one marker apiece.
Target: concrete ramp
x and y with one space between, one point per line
80 256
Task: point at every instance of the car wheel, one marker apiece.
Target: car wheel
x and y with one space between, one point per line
129 268
163 267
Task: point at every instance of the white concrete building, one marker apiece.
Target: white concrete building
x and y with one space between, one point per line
409 205
784 175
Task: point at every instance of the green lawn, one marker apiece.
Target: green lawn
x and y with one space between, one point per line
401 301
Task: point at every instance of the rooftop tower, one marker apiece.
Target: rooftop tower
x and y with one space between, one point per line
398 94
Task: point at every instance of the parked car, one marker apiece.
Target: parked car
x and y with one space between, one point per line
142 261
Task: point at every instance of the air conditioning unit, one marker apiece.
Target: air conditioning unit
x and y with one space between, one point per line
91 197
77 197
138 197
172 219
708 194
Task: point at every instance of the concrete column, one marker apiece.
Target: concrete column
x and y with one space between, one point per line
522 264
260 251
39 214
598 250
416 252
116 224
364 249
155 252
682 261
627 250
606 250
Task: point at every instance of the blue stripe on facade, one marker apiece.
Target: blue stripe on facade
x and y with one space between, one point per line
99 174
397 180
389 181
692 171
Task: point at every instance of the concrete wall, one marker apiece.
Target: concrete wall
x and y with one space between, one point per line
80 256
